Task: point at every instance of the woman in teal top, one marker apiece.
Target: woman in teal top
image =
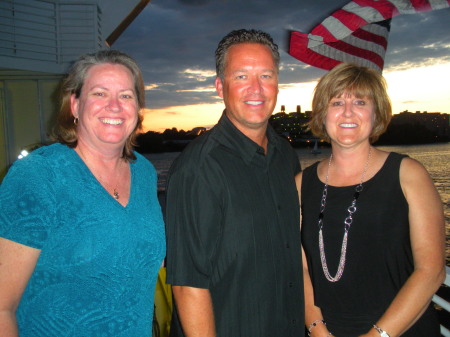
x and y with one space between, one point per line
81 229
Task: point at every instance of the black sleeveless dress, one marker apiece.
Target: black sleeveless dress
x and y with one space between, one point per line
379 257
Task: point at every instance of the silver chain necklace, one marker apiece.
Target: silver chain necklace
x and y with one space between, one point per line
347 223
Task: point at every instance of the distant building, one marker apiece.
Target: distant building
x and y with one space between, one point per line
197 131
39 39
290 125
436 122
419 127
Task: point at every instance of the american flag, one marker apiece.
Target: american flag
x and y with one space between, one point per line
357 33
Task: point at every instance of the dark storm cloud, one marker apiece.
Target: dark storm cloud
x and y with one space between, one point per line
172 38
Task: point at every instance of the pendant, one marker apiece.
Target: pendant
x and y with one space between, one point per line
116 194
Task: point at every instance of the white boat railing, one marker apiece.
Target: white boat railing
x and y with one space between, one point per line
444 303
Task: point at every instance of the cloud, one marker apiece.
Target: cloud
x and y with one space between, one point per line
200 89
198 74
418 39
168 112
174 42
151 86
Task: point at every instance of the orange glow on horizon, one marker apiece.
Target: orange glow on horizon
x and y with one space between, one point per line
417 89
185 117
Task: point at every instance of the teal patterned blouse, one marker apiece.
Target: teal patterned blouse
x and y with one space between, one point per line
99 260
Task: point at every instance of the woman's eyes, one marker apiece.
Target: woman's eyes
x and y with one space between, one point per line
103 94
127 96
359 102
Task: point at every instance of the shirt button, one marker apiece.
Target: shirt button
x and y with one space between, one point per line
279 207
294 321
287 245
291 284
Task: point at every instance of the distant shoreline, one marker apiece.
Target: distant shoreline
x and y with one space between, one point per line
173 146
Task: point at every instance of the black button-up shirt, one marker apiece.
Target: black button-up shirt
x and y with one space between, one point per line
232 218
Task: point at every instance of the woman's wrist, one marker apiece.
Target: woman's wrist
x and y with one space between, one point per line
319 322
380 331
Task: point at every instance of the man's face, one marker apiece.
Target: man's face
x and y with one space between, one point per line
250 86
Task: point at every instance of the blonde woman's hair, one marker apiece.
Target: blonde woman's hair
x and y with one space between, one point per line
359 81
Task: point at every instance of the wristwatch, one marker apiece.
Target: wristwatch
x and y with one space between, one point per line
381 331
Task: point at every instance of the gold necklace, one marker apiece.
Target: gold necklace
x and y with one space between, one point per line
115 193
99 177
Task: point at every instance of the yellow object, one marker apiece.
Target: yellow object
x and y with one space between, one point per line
163 304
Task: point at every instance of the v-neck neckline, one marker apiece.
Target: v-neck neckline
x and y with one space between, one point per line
96 181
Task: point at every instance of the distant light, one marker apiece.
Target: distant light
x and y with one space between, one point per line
23 154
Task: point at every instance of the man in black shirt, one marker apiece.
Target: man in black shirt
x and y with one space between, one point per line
232 212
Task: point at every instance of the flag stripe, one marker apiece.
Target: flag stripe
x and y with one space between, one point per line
373 37
385 8
439 4
411 7
299 50
332 29
364 44
326 57
371 11
373 33
349 48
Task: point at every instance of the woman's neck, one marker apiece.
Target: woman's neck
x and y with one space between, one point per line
106 158
349 166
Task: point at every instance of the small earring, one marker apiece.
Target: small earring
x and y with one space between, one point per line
75 120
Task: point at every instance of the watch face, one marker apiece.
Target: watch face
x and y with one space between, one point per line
384 334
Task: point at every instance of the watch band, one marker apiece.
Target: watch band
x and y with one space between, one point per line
381 331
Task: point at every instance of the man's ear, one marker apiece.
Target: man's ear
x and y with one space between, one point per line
219 87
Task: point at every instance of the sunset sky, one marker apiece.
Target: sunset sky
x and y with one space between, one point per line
174 43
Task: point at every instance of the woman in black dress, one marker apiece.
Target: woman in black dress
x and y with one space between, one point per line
372 221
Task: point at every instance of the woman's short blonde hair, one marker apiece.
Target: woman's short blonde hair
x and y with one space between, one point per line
65 129
356 80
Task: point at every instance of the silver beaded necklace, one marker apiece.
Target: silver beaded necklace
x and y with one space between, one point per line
347 223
